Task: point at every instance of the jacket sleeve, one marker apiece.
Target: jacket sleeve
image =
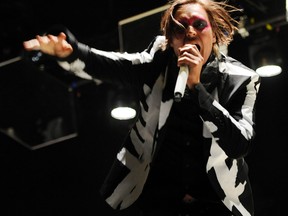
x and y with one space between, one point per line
230 117
109 66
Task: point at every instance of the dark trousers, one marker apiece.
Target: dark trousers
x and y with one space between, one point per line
196 208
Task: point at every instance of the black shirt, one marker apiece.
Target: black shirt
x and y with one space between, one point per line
179 166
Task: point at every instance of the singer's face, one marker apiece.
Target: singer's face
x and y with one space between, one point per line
197 30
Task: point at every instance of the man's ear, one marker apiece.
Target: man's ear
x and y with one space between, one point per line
214 38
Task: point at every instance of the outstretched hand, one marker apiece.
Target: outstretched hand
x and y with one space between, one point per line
50 44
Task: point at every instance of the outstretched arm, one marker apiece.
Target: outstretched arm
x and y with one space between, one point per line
50 44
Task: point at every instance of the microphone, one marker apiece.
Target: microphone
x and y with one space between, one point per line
181 83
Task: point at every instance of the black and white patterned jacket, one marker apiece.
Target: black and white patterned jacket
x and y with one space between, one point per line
226 96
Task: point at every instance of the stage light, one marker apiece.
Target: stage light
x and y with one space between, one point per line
269 70
266 58
267 61
122 104
123 113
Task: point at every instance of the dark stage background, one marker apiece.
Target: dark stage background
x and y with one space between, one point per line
63 176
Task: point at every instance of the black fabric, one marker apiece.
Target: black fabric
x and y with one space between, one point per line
179 169
196 208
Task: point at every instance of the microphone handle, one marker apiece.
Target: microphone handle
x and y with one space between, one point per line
181 83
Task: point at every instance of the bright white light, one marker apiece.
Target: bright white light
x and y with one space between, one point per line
123 113
287 10
269 70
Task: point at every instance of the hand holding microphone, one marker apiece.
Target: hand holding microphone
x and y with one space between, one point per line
191 51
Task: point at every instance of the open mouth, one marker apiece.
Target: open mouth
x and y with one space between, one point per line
198 47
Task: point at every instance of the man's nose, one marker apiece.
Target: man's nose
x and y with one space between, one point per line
190 32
